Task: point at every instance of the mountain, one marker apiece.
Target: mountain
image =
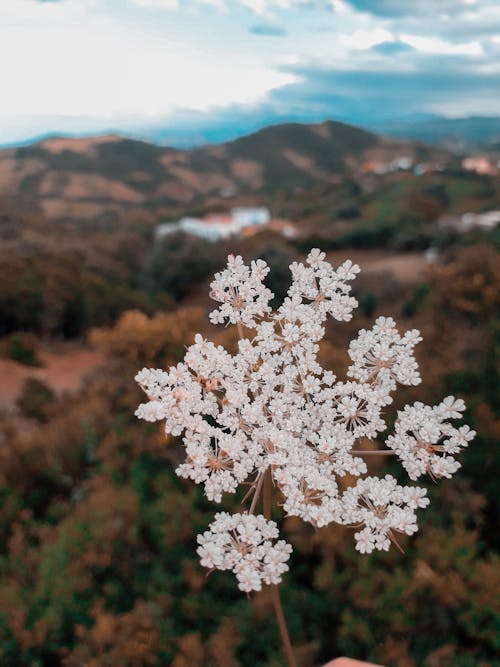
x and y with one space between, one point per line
453 133
92 178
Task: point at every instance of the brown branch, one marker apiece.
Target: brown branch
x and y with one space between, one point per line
256 494
275 595
280 616
379 452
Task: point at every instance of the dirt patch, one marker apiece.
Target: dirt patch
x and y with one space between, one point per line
407 268
200 183
307 164
84 146
61 208
64 370
248 172
77 185
172 158
13 171
322 130
175 191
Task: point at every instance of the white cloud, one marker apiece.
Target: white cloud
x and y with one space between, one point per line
158 4
69 61
263 7
340 7
441 47
365 39
217 4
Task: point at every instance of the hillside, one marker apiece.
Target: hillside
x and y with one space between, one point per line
454 133
95 178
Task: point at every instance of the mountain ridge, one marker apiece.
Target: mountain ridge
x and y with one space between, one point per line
88 178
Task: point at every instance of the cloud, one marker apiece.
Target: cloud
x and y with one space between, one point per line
398 8
158 4
267 30
441 46
264 7
362 96
217 4
365 39
71 62
392 48
109 63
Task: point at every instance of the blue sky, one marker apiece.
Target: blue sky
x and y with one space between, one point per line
89 66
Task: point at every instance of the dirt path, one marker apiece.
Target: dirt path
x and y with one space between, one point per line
407 268
63 369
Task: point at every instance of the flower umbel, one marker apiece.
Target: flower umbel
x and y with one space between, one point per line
270 411
243 543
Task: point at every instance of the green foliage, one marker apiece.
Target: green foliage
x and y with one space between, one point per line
21 347
278 257
97 534
36 399
367 302
411 305
176 263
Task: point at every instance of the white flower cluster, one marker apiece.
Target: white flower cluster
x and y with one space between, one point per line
271 409
241 292
382 507
383 356
424 441
243 543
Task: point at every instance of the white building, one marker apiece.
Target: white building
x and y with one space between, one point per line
216 227
487 220
248 217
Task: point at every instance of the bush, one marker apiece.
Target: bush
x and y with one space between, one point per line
176 263
21 347
367 302
35 399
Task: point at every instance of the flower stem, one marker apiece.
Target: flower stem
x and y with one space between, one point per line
256 494
266 500
275 594
376 452
280 616
240 330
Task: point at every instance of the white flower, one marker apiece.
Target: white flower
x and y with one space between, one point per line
423 439
385 508
242 543
241 292
271 409
365 541
383 356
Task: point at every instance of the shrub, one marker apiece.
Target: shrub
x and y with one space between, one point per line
21 347
35 399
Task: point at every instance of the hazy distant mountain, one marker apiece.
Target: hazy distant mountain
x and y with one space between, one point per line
454 133
87 178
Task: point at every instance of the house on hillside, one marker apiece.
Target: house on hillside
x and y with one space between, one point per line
485 221
218 226
380 168
480 164
283 227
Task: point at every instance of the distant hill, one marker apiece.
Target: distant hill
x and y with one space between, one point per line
91 178
454 133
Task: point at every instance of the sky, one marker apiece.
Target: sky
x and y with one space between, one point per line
161 67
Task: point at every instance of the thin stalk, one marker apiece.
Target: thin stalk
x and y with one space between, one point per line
240 330
280 616
256 494
266 499
275 594
378 452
